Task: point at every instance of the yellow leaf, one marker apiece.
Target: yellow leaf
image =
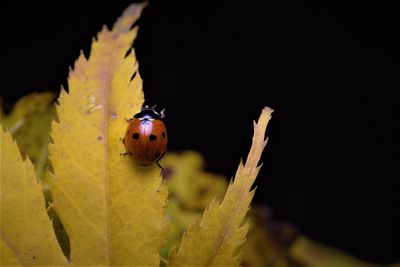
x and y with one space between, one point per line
29 123
179 220
27 236
190 189
111 208
215 239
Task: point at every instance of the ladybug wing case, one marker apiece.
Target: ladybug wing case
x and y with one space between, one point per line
146 140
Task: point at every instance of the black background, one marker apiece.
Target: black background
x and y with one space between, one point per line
330 70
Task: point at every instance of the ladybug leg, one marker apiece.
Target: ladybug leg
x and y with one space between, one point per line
128 120
122 140
124 154
162 155
161 167
158 163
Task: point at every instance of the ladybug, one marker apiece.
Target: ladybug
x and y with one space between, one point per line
146 137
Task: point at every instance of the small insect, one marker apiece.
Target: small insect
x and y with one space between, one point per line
146 137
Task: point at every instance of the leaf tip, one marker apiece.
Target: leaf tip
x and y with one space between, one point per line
135 9
267 109
130 15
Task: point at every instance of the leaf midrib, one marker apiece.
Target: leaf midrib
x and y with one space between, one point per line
228 226
106 90
247 169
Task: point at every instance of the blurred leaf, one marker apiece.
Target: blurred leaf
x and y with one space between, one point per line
179 219
27 237
29 123
188 183
262 248
215 239
186 180
190 190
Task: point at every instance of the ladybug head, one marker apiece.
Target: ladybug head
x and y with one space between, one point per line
150 112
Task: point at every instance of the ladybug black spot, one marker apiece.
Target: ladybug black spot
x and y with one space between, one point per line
163 134
157 155
152 137
135 136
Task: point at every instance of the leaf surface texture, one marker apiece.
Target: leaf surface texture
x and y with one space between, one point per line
215 239
111 208
27 236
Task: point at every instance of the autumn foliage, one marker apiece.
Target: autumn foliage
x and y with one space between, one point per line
112 210
69 198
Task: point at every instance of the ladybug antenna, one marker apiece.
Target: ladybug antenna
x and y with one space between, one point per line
162 113
147 107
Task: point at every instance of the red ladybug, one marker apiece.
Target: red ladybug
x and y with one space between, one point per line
146 137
